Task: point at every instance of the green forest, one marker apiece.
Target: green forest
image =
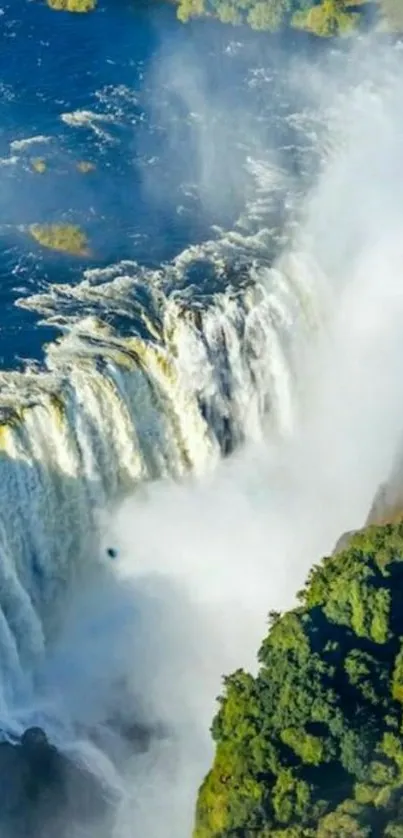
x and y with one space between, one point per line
324 18
312 746
328 18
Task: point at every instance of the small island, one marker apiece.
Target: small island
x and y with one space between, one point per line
72 5
312 746
67 238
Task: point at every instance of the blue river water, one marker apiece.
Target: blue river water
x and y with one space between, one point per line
140 202
139 96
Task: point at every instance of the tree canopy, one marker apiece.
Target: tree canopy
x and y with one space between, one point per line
329 17
312 747
324 18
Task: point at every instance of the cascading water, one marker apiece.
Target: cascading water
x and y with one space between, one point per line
198 375
193 374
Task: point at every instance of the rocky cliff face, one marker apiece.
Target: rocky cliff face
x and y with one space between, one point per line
387 506
44 794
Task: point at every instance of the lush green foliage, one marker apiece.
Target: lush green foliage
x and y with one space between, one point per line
326 18
312 747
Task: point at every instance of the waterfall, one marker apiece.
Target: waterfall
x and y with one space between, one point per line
152 377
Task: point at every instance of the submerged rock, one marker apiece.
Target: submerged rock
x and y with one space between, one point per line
85 166
39 165
43 793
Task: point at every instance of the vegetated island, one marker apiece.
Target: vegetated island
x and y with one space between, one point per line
72 5
312 746
67 238
324 18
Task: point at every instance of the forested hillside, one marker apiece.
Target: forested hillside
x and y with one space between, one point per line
312 747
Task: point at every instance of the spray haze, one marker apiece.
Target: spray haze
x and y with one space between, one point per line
201 562
217 555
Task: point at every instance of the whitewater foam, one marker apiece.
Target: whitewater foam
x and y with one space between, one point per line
27 142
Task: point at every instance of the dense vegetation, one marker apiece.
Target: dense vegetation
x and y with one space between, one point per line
72 5
325 18
312 746
330 17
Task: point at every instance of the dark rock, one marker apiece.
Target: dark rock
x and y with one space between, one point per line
43 793
141 736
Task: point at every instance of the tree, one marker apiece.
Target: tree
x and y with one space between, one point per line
330 18
190 8
269 14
